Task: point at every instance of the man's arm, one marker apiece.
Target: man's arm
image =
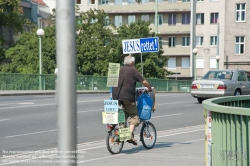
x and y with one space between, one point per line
146 84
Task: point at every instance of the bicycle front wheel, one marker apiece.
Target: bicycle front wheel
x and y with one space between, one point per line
114 146
148 135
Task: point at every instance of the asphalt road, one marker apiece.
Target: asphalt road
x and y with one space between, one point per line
29 123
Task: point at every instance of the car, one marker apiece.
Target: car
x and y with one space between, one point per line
218 83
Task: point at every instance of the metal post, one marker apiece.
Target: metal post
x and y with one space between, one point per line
40 63
156 17
194 66
217 48
66 94
192 39
141 66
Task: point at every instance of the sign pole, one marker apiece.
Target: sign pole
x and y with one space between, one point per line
141 66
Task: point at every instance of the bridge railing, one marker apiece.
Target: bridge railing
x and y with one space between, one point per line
227 131
13 81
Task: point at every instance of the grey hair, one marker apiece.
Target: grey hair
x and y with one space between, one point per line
129 59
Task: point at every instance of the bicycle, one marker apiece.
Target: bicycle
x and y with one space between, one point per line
115 143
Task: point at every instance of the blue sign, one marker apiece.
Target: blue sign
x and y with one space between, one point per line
110 105
140 45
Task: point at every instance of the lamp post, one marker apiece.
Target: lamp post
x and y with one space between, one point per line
40 33
217 59
195 51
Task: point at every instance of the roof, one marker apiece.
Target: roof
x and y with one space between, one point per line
40 2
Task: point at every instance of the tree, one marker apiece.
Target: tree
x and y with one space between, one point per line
153 63
11 19
25 54
93 36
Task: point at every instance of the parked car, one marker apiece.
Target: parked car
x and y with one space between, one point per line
218 83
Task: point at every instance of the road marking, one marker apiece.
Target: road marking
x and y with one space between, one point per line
89 111
33 133
175 103
26 103
179 133
3 120
30 133
166 115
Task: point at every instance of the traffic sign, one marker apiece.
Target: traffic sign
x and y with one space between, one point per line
141 45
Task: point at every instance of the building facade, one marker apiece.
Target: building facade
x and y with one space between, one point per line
173 27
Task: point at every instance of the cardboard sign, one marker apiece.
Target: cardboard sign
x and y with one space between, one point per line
113 74
110 105
124 134
113 117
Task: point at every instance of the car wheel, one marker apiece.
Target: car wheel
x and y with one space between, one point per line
200 99
237 93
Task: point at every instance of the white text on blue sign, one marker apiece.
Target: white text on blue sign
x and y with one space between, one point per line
140 45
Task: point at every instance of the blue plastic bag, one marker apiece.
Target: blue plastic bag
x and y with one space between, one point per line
144 106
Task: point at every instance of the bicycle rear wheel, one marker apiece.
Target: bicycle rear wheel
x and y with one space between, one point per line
114 146
148 135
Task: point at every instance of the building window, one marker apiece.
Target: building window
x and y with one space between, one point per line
240 12
145 1
91 2
212 63
171 1
185 62
186 18
239 45
199 63
171 41
105 1
118 21
160 20
131 18
172 63
78 2
160 41
131 1
214 18
185 0
106 20
213 40
118 2
200 0
185 41
145 17
199 40
200 18
171 19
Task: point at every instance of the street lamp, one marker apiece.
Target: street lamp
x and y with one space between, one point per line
195 51
40 33
217 59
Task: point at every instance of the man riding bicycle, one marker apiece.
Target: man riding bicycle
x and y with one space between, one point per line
125 92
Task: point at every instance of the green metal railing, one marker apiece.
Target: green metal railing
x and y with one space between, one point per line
9 81
227 131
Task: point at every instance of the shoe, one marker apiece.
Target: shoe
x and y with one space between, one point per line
132 141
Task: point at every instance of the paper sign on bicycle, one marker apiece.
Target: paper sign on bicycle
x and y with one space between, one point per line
124 134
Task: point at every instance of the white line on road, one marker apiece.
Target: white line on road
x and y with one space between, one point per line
175 103
3 120
30 133
33 133
166 115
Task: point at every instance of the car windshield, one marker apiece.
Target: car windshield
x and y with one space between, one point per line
218 75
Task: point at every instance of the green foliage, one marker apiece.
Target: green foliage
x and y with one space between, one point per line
96 47
25 54
11 15
92 55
